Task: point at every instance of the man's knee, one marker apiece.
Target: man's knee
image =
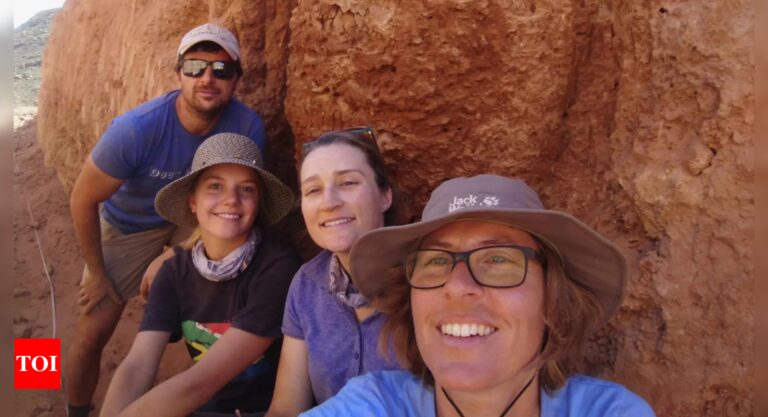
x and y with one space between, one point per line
95 329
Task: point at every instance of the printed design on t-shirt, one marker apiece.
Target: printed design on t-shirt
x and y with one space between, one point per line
201 336
165 175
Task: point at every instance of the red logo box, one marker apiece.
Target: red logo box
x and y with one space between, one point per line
37 364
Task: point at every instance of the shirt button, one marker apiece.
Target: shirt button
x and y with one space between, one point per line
356 356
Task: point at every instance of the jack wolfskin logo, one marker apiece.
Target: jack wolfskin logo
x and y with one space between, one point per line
460 203
472 200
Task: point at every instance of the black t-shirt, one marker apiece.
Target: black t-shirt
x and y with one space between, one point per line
185 303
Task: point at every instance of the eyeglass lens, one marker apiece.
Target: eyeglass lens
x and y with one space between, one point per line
494 266
222 70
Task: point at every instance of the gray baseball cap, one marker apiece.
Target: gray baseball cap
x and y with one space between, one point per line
214 33
588 257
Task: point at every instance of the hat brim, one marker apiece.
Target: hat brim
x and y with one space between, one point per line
588 258
172 201
232 54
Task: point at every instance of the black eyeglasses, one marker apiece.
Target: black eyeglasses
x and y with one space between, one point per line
358 133
499 266
223 70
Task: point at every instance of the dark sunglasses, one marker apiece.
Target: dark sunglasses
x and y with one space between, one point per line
223 70
364 133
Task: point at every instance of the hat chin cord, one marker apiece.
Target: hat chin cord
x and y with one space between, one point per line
506 410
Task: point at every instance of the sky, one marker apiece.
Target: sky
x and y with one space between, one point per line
25 9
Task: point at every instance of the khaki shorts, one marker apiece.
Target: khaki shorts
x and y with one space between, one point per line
126 257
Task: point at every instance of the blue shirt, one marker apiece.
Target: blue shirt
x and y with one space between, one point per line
399 393
147 147
339 346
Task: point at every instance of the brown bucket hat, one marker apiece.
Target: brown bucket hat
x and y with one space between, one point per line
276 199
589 258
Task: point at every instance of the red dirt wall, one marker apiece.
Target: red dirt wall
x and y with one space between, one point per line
635 116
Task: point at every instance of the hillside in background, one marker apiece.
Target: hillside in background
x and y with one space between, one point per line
28 44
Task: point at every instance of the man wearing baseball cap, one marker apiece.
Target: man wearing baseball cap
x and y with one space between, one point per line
112 202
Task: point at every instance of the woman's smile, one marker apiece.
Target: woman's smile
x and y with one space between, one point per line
466 330
337 222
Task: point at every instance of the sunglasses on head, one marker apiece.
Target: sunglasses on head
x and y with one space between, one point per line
363 133
223 70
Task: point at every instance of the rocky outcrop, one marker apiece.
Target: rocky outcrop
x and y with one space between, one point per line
684 122
105 57
635 116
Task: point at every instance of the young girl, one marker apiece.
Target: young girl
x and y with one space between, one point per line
331 332
224 293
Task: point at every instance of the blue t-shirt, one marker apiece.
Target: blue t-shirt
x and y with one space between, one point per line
400 393
148 147
339 347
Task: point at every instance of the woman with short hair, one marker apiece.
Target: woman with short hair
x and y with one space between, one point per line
488 299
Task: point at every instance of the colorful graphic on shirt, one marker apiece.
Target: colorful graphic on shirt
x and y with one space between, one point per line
201 336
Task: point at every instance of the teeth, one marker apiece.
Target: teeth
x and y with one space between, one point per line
229 216
336 222
466 330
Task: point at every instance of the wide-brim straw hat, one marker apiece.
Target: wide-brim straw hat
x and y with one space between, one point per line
275 198
588 258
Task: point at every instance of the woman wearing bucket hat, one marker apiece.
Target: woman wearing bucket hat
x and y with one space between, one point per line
331 332
223 293
488 298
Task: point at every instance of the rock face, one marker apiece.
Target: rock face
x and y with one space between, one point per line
105 57
635 116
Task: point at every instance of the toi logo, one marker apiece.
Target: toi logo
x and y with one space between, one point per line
37 364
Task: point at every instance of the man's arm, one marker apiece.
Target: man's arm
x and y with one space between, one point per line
230 355
91 188
293 389
136 373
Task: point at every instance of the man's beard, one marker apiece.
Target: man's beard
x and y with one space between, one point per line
206 112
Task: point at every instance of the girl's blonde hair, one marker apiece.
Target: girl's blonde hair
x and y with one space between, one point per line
189 242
